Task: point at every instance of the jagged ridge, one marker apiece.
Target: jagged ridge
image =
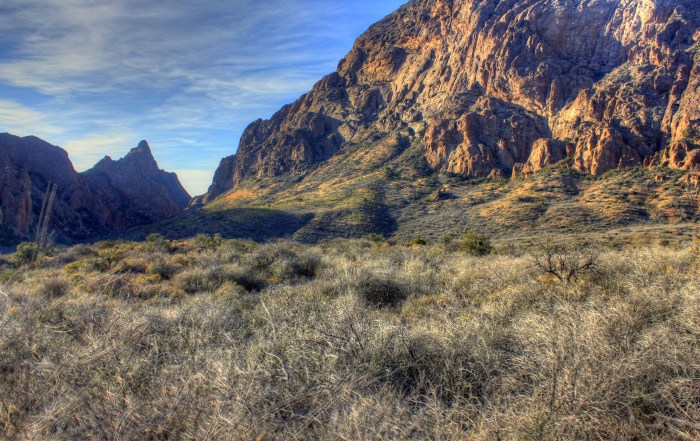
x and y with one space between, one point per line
500 88
112 196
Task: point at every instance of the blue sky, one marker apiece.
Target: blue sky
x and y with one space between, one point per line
97 76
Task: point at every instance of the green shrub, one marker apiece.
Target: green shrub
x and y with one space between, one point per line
417 241
156 242
25 253
475 244
374 237
208 242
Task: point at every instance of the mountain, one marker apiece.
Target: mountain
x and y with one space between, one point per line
134 190
495 88
112 196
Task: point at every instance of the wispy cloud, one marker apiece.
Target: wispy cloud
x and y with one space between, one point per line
24 121
86 152
181 68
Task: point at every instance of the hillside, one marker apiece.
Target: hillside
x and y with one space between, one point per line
346 200
495 89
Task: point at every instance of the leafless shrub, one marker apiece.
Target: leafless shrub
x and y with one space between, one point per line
566 263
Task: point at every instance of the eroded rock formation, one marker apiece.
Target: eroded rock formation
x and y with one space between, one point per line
501 86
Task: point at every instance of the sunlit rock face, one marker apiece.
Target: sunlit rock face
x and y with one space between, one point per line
113 196
500 86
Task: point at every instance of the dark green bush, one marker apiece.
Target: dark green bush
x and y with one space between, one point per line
476 245
25 253
379 291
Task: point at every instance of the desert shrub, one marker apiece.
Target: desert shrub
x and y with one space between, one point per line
564 262
417 241
208 242
180 260
374 237
163 268
74 253
134 264
7 275
249 280
447 239
156 242
195 280
475 244
54 288
282 262
25 254
106 260
379 291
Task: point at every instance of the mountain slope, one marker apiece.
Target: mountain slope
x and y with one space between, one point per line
497 88
113 196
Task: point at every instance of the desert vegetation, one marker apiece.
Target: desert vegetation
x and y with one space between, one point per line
220 339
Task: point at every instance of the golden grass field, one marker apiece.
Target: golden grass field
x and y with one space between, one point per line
210 339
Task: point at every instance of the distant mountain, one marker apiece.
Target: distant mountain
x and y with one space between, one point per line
496 88
112 196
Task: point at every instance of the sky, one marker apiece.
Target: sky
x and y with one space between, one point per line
97 76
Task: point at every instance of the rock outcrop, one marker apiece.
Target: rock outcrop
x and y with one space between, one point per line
113 196
493 87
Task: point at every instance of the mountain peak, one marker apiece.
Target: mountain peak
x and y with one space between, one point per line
492 88
142 149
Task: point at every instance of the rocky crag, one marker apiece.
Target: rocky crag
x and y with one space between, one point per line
112 196
498 88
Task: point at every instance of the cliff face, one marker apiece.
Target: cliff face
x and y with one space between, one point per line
113 196
501 87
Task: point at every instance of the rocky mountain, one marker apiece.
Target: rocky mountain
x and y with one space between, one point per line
496 88
112 196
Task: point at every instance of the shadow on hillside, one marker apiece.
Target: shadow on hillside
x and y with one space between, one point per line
259 224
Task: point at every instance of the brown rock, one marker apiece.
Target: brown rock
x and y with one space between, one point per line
492 84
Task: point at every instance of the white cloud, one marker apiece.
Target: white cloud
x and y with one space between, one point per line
111 72
24 121
87 151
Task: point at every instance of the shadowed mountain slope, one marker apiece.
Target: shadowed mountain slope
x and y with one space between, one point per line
112 196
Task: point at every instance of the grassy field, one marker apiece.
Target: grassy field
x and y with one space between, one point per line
352 340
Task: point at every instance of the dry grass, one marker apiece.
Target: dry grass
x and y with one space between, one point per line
348 340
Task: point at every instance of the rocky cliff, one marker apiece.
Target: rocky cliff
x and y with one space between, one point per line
113 196
500 88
